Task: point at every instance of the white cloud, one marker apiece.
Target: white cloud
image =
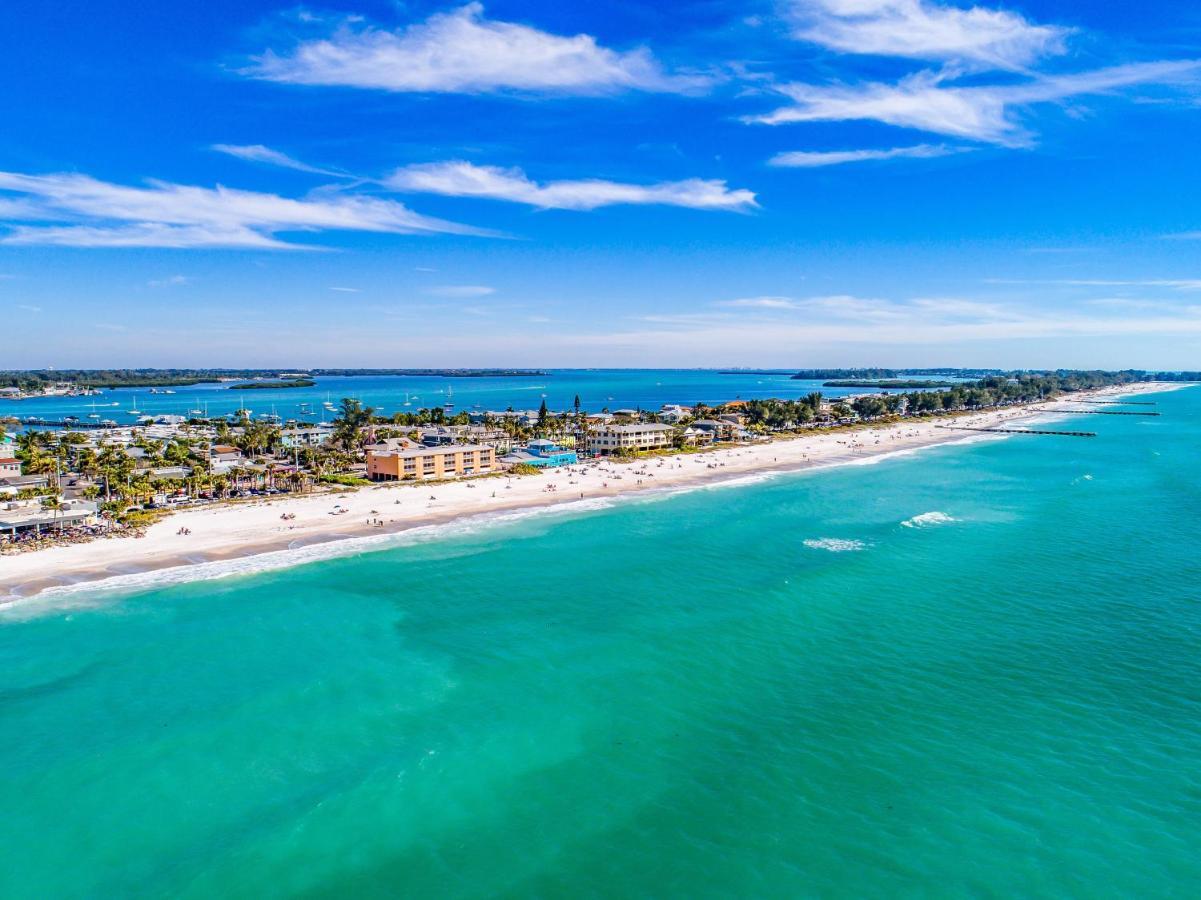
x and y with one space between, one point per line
461 291
918 29
346 290
764 330
1179 284
760 303
259 153
29 308
842 306
462 52
172 281
981 113
457 178
92 213
803 159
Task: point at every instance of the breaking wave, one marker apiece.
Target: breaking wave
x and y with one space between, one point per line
925 520
834 545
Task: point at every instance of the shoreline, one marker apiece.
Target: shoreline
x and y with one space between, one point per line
255 531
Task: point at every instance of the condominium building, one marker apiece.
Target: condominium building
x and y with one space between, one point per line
637 436
423 463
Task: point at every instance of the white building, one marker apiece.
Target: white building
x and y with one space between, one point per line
629 438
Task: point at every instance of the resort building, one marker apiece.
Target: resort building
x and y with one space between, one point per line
10 468
698 437
307 436
16 518
630 438
673 413
430 462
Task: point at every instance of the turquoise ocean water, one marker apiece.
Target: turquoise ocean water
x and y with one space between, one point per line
806 687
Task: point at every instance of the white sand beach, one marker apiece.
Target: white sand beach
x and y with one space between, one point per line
248 528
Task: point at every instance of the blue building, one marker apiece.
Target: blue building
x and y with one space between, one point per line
544 454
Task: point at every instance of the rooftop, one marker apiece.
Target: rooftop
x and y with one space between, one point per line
639 427
431 451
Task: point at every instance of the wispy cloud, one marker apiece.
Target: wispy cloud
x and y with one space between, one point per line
460 291
760 303
803 159
1179 284
919 29
29 307
87 212
829 306
925 102
461 51
346 290
756 327
172 281
260 154
457 178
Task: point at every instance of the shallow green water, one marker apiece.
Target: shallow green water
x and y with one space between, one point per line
673 698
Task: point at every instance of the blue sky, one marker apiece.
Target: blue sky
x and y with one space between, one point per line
791 183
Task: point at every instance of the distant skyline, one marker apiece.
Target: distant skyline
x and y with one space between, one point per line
784 184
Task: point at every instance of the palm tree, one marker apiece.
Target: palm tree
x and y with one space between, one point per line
53 503
352 418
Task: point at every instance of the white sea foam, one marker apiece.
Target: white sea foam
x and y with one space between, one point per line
925 520
834 545
90 593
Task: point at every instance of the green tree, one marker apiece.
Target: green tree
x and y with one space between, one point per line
350 422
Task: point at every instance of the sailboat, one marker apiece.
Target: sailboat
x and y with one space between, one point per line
93 414
196 410
450 402
133 410
408 402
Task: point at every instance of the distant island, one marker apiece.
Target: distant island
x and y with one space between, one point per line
862 377
872 374
892 383
754 372
273 385
438 373
35 382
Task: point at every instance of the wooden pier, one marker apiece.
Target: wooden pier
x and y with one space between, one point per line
1115 402
1019 431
